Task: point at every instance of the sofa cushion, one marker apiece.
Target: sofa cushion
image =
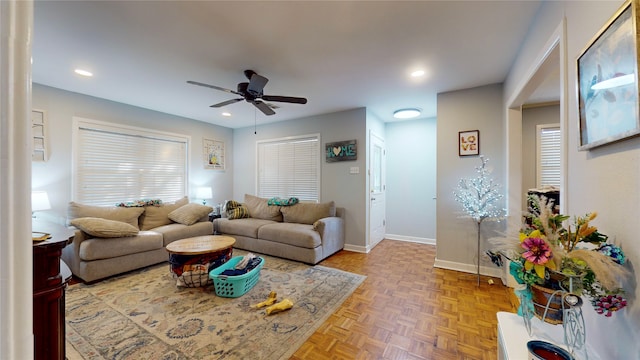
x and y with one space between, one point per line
104 228
127 215
189 214
243 227
155 216
307 213
95 249
260 209
175 231
300 235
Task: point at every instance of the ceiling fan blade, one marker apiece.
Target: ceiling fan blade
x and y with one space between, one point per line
263 107
228 102
213 87
256 84
289 99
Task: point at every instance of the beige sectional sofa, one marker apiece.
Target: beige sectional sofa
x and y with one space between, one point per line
306 232
113 240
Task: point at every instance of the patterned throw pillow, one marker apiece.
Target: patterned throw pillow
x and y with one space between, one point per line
236 210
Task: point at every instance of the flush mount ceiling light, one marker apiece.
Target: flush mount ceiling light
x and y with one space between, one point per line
83 72
226 114
406 113
417 73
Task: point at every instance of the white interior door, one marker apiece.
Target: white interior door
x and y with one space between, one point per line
377 225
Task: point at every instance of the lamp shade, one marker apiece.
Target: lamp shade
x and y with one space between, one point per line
204 193
40 201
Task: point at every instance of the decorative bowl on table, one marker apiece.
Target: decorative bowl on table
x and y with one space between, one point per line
542 350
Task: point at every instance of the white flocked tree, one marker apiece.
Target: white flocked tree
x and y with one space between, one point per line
480 197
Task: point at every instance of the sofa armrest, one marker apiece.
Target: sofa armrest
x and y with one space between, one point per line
71 252
331 230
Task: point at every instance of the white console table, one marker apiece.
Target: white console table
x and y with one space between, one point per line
513 337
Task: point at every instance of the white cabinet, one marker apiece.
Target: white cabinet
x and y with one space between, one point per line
38 132
513 337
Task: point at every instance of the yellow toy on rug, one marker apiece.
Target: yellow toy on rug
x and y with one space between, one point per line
273 308
270 301
283 305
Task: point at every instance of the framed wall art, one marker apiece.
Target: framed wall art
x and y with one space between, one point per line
39 150
469 142
341 151
607 73
213 152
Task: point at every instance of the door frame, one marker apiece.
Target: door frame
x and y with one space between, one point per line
375 139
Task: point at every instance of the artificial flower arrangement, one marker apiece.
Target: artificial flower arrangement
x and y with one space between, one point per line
577 256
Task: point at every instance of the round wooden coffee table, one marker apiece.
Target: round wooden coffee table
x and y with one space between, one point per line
191 259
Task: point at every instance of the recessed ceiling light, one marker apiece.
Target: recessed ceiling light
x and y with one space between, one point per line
406 113
83 72
226 114
417 73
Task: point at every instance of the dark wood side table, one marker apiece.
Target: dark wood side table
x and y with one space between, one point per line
50 276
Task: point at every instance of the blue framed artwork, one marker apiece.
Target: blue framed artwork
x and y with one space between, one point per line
608 81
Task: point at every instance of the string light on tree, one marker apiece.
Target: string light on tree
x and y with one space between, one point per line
479 197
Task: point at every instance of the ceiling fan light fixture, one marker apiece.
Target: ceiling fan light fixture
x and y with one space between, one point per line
409 113
227 114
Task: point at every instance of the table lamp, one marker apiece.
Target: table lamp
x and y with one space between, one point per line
204 193
39 201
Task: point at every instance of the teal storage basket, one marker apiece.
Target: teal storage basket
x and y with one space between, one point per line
234 286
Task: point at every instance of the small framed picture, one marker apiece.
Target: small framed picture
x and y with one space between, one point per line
468 142
213 152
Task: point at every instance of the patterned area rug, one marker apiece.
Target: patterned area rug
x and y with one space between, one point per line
144 315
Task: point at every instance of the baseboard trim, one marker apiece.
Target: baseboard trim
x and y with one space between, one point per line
356 248
468 268
410 239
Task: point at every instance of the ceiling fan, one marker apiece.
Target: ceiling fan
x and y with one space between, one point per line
252 92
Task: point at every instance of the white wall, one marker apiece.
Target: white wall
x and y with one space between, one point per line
54 175
347 190
472 109
604 179
411 180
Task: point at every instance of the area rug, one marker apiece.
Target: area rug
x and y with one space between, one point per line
144 315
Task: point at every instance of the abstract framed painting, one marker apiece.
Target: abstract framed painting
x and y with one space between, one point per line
607 81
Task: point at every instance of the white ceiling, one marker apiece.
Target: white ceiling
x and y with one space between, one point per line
338 54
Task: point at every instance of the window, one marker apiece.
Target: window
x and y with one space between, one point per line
289 167
115 163
548 150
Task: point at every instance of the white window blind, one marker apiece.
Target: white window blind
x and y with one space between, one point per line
115 164
548 150
289 168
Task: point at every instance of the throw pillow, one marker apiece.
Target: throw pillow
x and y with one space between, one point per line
190 214
308 213
104 228
156 216
260 209
127 215
236 210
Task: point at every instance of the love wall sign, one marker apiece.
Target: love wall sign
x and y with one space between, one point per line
341 151
469 142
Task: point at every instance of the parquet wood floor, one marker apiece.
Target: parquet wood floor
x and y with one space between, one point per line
407 309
